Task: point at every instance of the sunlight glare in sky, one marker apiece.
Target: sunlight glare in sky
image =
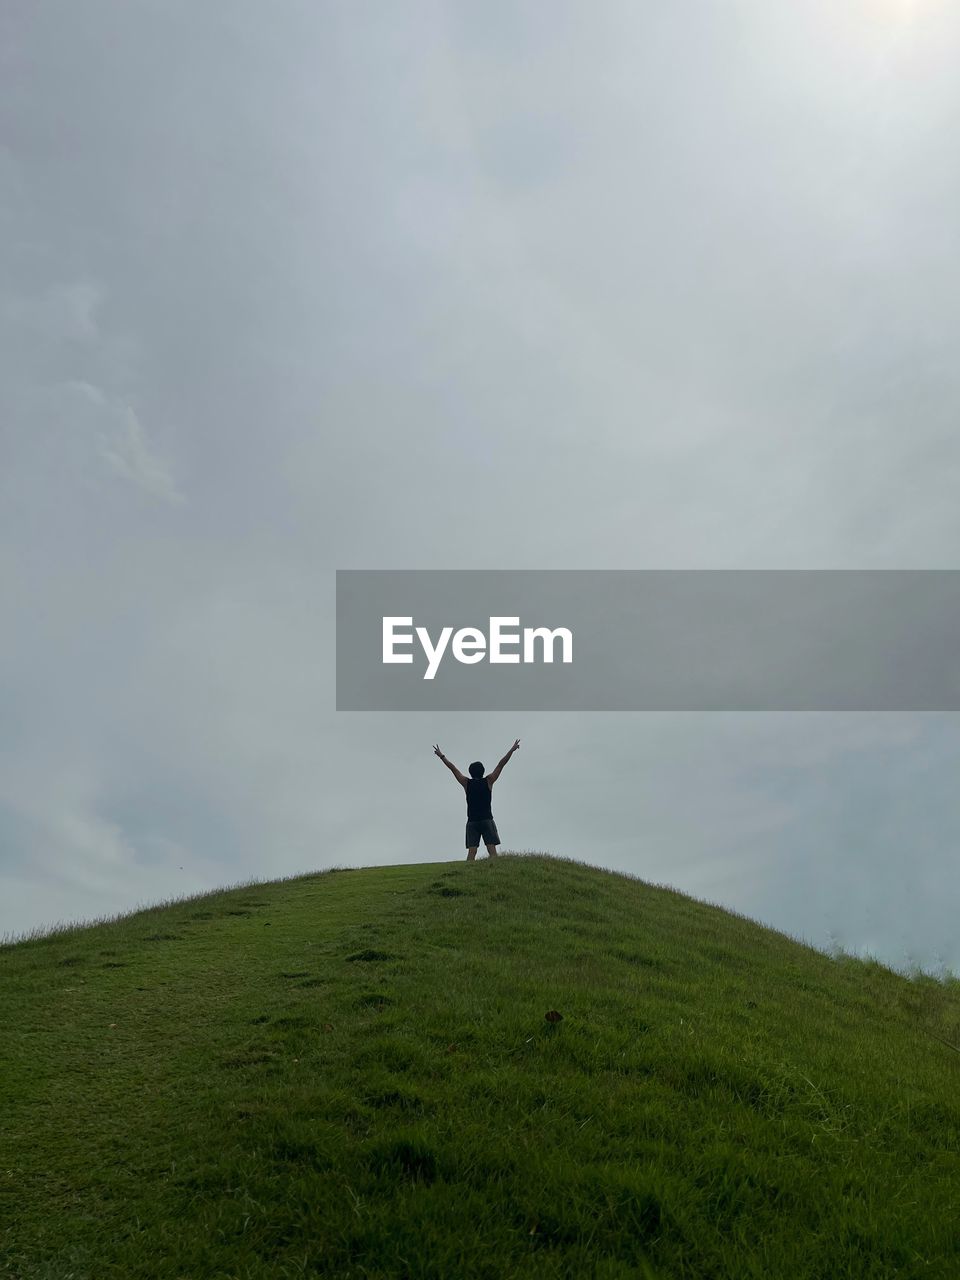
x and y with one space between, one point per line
901 10
912 38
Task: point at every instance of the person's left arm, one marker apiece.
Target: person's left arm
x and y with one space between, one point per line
452 767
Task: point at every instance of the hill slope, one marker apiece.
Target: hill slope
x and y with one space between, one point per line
352 1074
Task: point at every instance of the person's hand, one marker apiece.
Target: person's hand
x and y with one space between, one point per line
516 745
438 752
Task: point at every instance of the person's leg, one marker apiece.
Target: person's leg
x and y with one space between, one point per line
491 836
472 841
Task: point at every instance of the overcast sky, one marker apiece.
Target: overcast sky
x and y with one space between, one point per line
296 287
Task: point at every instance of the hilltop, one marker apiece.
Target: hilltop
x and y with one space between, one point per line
521 1068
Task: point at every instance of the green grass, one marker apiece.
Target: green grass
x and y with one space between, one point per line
352 1074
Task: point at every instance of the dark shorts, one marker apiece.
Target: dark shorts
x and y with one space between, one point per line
481 831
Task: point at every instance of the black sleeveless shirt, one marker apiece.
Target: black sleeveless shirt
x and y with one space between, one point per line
478 799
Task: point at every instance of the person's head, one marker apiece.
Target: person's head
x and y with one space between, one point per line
476 769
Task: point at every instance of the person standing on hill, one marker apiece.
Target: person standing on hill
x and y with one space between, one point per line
480 823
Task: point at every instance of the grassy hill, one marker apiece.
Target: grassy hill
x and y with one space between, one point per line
354 1074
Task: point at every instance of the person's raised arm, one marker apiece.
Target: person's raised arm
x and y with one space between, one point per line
452 767
492 777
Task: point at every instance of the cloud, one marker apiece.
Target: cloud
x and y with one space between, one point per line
671 294
123 445
62 312
126 451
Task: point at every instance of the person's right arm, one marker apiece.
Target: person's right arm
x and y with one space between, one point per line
492 777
